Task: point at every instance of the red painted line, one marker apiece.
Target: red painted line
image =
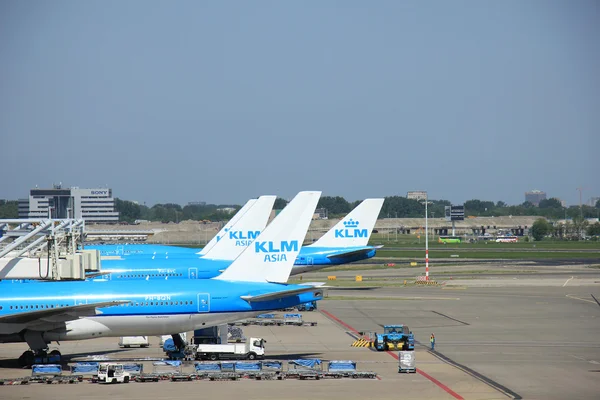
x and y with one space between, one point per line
391 353
339 321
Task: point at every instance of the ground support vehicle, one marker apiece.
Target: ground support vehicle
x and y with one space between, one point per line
394 337
310 306
293 319
112 373
305 369
270 320
406 361
128 341
15 381
50 373
187 352
252 349
85 370
166 370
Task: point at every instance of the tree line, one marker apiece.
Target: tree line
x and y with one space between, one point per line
337 206
570 230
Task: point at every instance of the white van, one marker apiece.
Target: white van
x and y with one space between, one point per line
128 341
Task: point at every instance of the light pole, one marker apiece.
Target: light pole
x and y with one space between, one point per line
426 243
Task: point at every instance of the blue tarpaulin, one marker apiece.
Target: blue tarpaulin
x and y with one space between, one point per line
227 366
169 345
85 368
342 365
209 367
48 369
172 363
132 367
247 366
277 365
307 363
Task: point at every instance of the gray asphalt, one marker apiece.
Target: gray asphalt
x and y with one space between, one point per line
540 342
534 342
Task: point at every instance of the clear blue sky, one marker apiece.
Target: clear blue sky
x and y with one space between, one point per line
222 101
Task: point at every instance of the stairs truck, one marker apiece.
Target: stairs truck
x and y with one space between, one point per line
394 337
252 349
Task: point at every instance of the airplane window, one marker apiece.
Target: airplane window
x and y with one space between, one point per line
161 303
21 307
36 306
171 303
137 304
52 306
26 307
186 303
151 303
146 303
0 307
11 307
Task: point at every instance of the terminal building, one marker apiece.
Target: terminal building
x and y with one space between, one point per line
535 196
91 205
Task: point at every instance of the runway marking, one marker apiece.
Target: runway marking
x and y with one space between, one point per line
568 281
431 378
570 296
453 319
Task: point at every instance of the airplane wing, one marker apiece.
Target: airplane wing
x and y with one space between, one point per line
279 295
361 252
60 314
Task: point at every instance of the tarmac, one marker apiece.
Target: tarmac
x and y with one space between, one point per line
509 341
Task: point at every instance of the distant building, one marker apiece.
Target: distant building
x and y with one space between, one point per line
593 201
196 203
321 213
563 203
535 196
227 210
416 195
91 205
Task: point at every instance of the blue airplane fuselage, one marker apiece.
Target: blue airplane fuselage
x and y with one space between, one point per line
142 267
153 307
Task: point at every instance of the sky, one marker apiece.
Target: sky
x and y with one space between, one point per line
186 101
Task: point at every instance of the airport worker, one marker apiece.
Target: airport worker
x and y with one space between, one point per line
432 340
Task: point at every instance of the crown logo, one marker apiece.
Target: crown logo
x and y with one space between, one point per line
351 223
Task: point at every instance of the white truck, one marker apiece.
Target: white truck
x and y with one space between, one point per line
128 341
252 349
112 373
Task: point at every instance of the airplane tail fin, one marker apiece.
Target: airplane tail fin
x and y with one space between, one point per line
271 256
355 228
227 227
241 234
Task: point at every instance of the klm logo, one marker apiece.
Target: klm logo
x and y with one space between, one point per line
275 251
225 231
243 238
351 230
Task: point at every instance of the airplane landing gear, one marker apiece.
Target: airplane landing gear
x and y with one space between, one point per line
26 360
30 357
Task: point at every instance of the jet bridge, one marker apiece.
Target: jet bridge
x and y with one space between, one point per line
44 249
